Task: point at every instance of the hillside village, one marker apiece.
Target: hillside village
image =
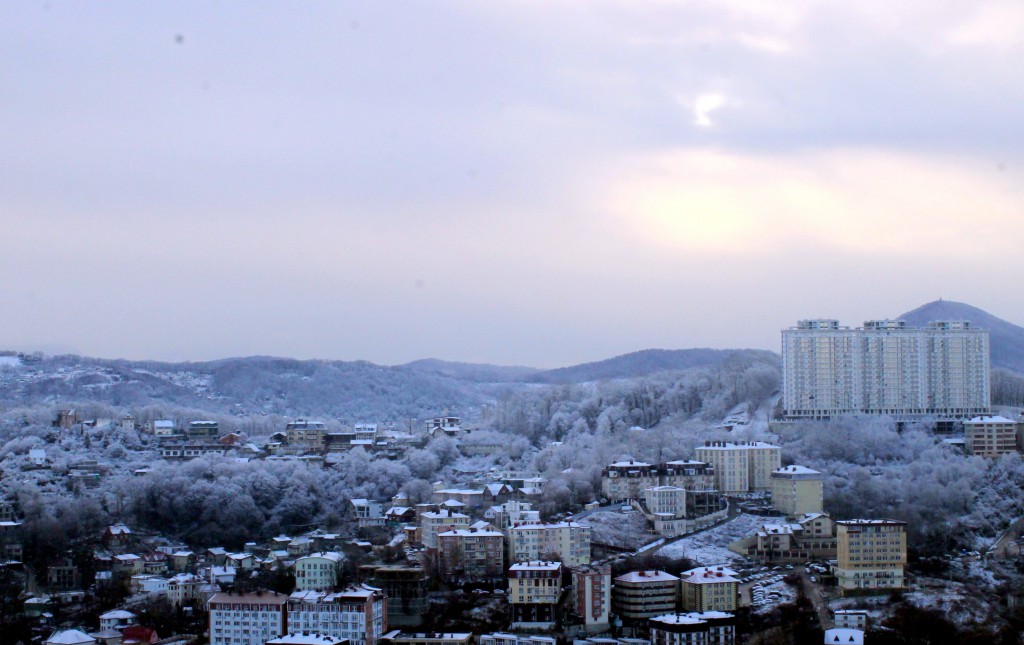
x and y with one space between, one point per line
550 516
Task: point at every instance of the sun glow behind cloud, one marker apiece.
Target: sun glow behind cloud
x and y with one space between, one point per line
856 201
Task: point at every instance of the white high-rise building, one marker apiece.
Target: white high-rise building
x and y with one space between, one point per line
884 367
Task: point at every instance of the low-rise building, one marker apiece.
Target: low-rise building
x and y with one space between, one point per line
709 589
318 571
639 595
843 636
533 591
306 638
851 618
117 619
870 554
499 638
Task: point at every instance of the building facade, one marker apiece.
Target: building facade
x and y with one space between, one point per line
797 490
628 479
988 436
639 595
567 541
695 628
470 555
743 466
317 571
247 619
533 590
592 596
884 367
870 554
359 614
709 589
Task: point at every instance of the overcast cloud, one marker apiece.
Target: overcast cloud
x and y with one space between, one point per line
509 182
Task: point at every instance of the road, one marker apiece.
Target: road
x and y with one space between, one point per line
813 592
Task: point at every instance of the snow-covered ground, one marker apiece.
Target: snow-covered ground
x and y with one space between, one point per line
769 591
10 361
712 546
960 603
628 530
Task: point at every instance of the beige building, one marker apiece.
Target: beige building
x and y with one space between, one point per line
870 554
306 434
434 522
797 490
741 467
533 590
709 589
694 628
988 436
567 541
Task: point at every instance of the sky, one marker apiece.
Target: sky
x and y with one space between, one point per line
520 182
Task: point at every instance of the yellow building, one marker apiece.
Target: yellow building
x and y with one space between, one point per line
870 554
796 490
709 589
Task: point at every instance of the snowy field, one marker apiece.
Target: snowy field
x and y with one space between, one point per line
712 546
960 603
9 361
627 530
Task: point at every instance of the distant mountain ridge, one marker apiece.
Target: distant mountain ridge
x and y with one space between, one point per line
648 361
1006 340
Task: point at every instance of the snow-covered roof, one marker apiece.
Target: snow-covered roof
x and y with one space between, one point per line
795 470
646 576
307 638
69 637
471 533
988 419
753 445
328 555
558 525
718 568
536 566
117 614
445 515
629 464
127 557
709 577
846 636
678 619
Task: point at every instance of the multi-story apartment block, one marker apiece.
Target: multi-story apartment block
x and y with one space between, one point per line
797 490
989 436
406 588
247 619
885 367
318 571
203 430
667 501
511 513
743 466
870 554
306 434
434 522
709 589
639 595
305 638
471 555
566 541
185 588
628 479
592 596
358 613
533 590
695 628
